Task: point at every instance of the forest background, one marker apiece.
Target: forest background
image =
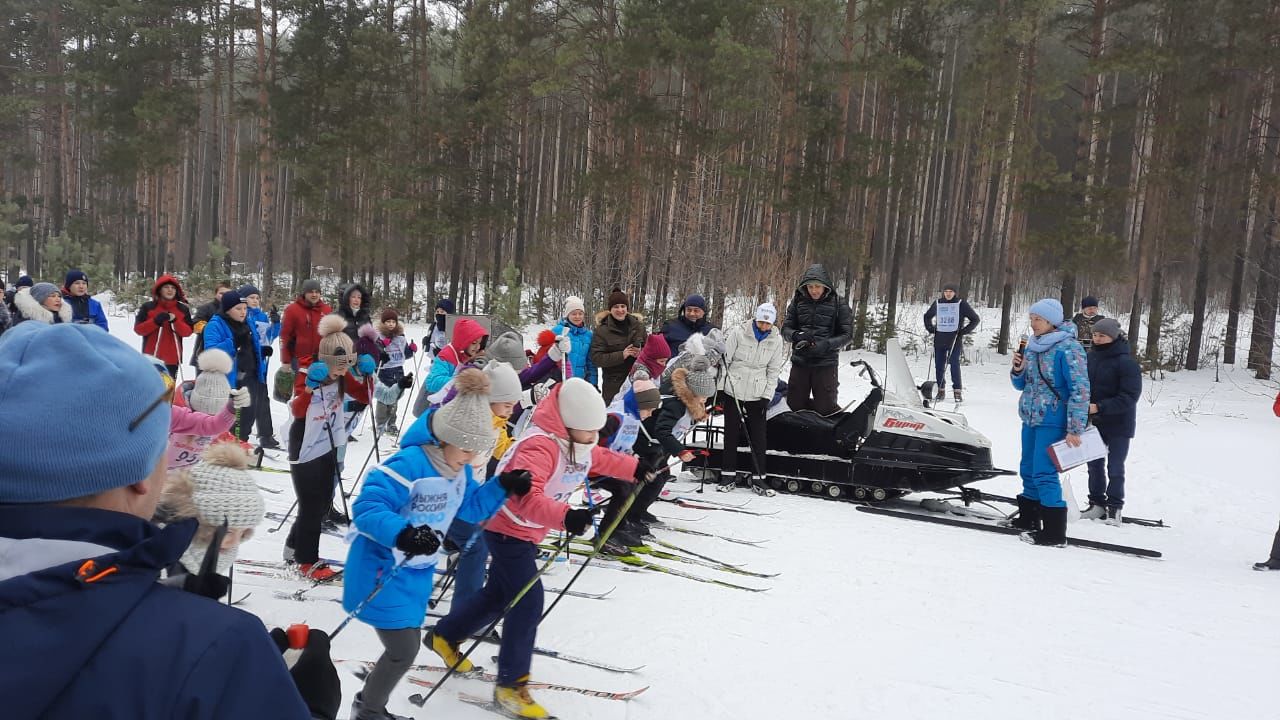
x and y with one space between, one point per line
507 154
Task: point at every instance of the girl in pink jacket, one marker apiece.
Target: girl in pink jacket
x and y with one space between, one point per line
559 449
209 412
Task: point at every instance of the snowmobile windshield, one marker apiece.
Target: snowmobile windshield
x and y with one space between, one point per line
898 381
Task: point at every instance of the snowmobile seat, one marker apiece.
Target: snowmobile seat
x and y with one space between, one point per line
857 425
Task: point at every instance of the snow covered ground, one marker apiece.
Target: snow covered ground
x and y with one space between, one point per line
890 619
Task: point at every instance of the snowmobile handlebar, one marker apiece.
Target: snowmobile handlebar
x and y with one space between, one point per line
865 370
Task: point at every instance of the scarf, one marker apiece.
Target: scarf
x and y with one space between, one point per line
1044 343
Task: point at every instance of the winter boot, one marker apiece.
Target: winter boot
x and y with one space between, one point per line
1028 515
448 652
1054 533
957 394
319 571
268 443
360 712
626 537
645 517
760 486
615 548
517 700
333 519
1268 565
1114 515
942 393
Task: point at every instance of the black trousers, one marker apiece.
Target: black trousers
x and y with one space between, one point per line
619 491
258 412
313 483
753 412
818 383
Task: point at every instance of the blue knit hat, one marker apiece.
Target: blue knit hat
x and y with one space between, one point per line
73 275
246 290
25 281
446 305
49 371
230 299
696 300
1049 309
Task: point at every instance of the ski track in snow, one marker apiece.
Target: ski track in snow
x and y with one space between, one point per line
883 618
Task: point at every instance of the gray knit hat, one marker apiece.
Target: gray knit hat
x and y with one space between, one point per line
310 284
508 348
1108 327
701 383
212 388
466 421
42 290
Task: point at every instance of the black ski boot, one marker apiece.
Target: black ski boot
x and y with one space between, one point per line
1268 565
1028 517
760 486
1054 533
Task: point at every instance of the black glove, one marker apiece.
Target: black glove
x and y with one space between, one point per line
450 546
355 406
406 382
213 586
577 521
426 341
274 315
516 482
162 319
418 540
267 351
802 345
314 674
644 471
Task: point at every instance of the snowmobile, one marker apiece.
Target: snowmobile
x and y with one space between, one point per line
893 443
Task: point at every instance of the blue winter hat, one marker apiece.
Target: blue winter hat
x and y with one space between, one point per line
73 275
48 372
1049 309
446 305
697 301
1088 302
246 290
230 299
25 281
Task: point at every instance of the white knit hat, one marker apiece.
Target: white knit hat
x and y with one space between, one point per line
218 488
573 302
212 389
581 407
504 383
766 313
466 421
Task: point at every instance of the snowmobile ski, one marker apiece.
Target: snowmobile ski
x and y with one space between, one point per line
952 522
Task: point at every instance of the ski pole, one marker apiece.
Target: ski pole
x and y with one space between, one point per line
337 475
450 574
382 582
515 600
598 544
284 519
706 457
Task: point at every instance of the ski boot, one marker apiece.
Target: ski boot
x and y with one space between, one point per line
958 395
391 431
319 571
727 484
1114 515
646 517
517 701
268 443
1268 565
333 519
941 394
1054 533
448 652
1095 511
360 712
760 486
614 547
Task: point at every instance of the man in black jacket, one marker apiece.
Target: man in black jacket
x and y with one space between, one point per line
818 326
948 320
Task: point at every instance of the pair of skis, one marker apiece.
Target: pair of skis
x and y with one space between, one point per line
362 668
634 563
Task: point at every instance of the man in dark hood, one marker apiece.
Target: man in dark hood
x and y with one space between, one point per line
818 326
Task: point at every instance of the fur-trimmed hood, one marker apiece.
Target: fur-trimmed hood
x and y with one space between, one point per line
680 385
32 310
601 315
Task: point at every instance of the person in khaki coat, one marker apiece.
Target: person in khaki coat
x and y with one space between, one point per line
755 353
616 343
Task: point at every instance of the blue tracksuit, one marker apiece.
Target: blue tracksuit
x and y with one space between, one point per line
85 642
1055 402
384 509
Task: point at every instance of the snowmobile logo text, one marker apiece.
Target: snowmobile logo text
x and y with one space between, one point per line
896 423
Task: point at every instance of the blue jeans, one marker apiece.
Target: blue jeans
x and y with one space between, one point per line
941 360
469 570
515 563
1039 474
1108 488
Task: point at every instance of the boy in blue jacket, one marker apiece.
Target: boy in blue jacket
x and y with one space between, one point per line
267 328
402 513
1053 375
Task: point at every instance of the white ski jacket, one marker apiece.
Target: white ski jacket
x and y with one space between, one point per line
754 365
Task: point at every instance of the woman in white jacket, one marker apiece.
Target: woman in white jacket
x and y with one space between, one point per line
754 353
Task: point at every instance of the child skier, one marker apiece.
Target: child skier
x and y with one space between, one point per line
316 435
403 511
622 432
392 379
559 451
210 410
467 344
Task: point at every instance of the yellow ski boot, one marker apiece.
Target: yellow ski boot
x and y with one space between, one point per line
448 652
517 701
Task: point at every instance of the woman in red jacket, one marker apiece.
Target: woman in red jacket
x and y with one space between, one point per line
163 322
559 450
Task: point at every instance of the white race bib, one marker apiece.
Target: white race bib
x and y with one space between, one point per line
948 317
